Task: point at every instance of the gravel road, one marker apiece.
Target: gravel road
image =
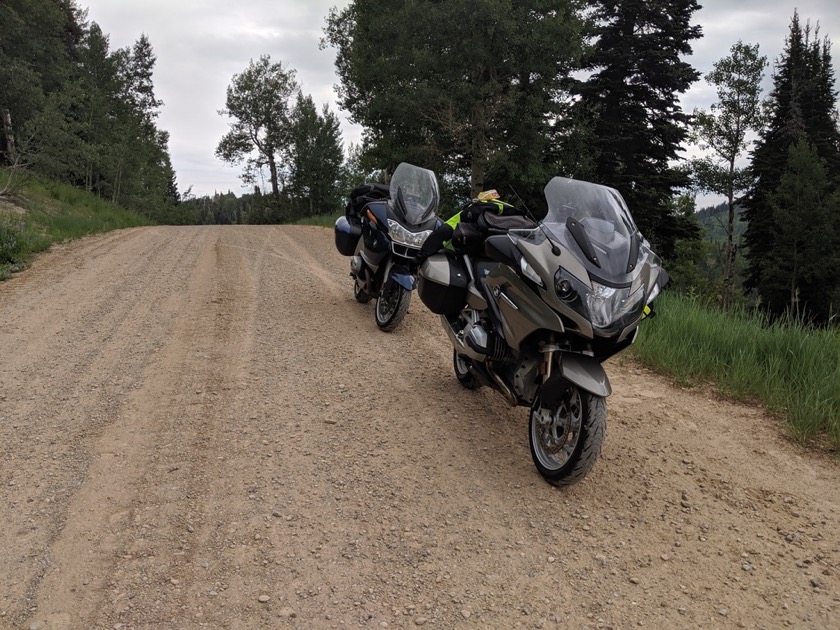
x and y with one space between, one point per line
200 428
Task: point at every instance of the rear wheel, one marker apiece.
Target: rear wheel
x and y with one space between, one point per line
362 296
462 371
391 306
566 442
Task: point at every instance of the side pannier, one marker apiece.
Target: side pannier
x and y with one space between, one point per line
348 229
347 236
442 283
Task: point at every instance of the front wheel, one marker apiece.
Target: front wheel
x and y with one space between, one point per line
566 442
391 306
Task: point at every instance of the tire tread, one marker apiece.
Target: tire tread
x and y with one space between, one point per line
399 313
593 435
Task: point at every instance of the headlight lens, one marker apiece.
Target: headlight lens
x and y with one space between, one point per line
607 304
402 236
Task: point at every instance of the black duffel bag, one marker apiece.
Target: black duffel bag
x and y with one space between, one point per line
363 194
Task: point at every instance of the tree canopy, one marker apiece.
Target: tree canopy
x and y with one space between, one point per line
300 147
802 130
468 88
74 110
497 94
258 104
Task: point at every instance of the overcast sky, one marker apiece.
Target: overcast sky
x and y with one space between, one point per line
201 44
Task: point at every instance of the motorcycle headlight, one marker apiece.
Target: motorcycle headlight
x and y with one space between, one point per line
402 236
607 304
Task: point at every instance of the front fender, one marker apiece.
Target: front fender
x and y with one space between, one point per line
400 275
406 280
586 372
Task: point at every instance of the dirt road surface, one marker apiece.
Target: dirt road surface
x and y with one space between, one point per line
200 428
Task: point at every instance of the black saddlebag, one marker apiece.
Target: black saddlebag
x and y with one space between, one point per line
361 195
442 284
469 236
493 224
347 236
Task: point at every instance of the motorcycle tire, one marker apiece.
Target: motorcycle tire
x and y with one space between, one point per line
391 307
566 442
362 296
462 371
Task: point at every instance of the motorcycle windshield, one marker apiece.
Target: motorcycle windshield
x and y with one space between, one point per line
595 220
414 194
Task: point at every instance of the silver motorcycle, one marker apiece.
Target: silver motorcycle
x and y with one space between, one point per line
536 314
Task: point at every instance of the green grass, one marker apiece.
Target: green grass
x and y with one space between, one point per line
793 370
54 213
324 220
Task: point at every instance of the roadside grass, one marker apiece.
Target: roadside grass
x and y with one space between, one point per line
49 212
792 369
324 220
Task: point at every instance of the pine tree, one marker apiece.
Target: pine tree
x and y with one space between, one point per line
75 111
138 151
801 108
314 159
632 102
100 84
805 258
328 176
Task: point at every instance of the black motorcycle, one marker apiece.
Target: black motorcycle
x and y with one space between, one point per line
383 232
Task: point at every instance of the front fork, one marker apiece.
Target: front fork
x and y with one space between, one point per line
549 350
554 386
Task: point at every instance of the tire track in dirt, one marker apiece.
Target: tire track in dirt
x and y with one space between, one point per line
55 419
107 421
178 413
169 535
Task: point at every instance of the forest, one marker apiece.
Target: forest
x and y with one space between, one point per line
504 97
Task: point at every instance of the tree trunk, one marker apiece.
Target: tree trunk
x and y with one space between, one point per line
117 182
731 248
794 292
729 258
272 166
9 133
479 151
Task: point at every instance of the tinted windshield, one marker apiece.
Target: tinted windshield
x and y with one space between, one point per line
414 193
596 218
